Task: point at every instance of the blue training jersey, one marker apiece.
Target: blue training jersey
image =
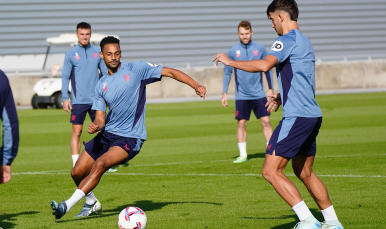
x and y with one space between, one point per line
10 123
296 74
124 92
81 67
249 86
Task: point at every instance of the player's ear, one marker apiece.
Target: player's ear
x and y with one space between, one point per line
101 55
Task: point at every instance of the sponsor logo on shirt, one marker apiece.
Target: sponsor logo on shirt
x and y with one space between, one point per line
95 55
255 52
238 53
77 57
104 88
127 77
277 46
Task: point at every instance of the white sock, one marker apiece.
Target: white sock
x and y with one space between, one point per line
302 210
74 159
78 195
90 198
329 214
243 149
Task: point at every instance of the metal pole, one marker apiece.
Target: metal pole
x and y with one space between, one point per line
45 60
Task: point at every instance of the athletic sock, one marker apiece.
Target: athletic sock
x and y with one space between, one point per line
302 210
90 198
243 149
74 159
78 195
329 214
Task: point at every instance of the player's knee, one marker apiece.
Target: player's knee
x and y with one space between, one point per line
76 133
100 166
267 174
242 124
303 175
76 173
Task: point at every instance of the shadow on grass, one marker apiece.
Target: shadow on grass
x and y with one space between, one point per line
315 212
251 156
11 219
146 205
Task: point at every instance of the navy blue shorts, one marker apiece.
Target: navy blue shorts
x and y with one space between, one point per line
79 111
295 136
244 107
104 140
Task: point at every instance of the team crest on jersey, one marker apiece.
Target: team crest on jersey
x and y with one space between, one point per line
238 53
95 55
277 46
255 52
126 77
104 87
77 57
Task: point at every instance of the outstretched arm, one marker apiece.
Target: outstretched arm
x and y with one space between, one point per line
263 65
99 122
182 77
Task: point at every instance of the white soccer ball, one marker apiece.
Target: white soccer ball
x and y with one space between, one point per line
132 218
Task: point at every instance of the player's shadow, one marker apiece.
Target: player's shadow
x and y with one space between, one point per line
9 220
146 205
315 212
255 155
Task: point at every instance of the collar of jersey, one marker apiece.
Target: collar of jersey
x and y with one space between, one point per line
80 46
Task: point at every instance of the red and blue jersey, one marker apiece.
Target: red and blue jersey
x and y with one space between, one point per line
10 123
124 92
81 66
296 74
249 85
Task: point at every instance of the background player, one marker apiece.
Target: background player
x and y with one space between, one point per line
81 65
295 136
123 131
10 126
249 90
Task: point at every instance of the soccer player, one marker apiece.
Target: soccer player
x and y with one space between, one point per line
250 93
10 133
295 136
81 66
122 132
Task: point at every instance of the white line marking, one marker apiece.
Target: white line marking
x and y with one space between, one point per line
196 174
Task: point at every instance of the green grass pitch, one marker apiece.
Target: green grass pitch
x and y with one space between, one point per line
184 176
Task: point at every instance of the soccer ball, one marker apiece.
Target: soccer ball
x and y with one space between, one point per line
132 218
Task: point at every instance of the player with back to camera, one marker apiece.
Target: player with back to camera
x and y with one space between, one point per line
10 129
249 89
81 66
295 136
122 132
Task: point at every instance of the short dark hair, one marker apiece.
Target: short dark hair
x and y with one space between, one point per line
289 6
83 25
109 40
245 24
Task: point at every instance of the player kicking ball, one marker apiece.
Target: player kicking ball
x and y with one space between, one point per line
295 136
122 132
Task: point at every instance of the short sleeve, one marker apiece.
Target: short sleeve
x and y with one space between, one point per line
281 48
99 102
150 72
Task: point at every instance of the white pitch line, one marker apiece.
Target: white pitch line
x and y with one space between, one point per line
197 174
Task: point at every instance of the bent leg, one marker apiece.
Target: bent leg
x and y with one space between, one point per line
273 169
82 167
115 155
302 166
267 129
